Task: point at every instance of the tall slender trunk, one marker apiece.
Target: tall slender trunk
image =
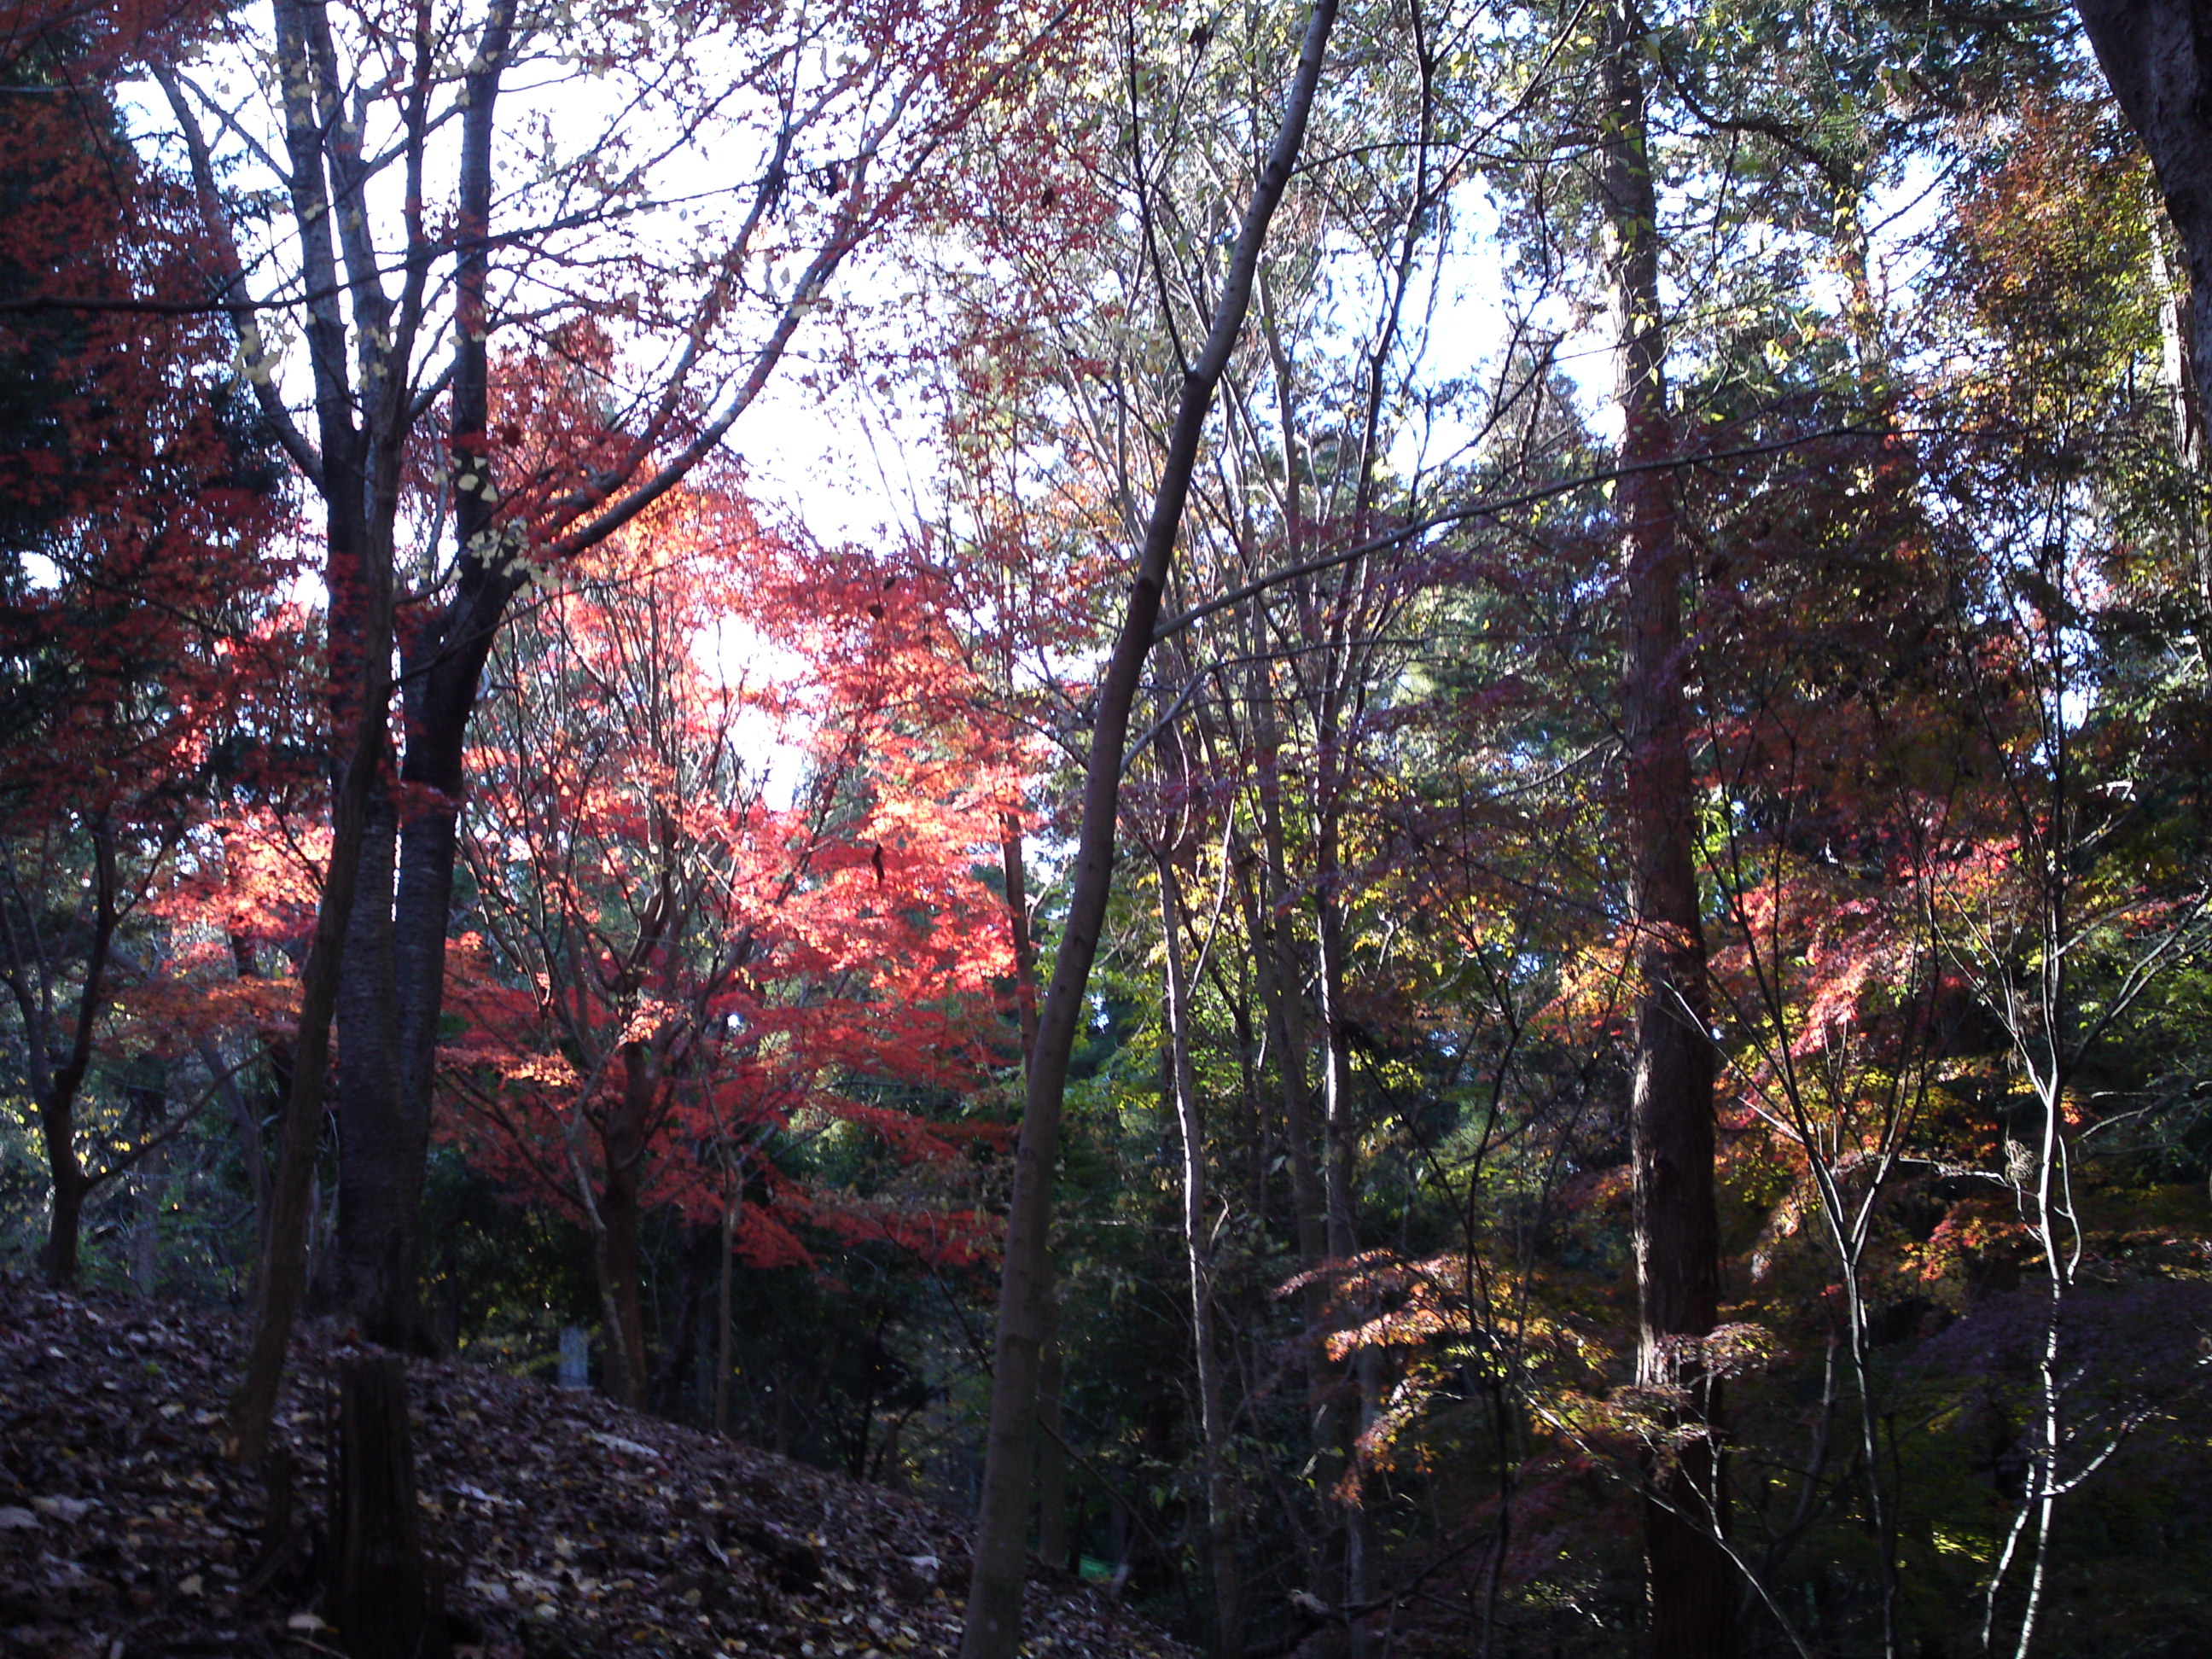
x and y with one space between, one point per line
1320 1188
1282 981
284 1265
359 472
994 1596
55 1089
1198 1258
375 1196
2193 445
149 1100
621 1214
724 1342
1691 1586
1282 991
1353 1386
357 469
1280 965
1355 1394
396 985
1052 1454
1052 1451
1018 924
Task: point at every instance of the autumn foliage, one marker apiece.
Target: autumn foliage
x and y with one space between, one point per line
707 859
721 911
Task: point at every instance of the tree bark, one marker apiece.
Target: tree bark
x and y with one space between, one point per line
1198 1258
1052 1455
1328 1413
624 1377
2157 57
994 1596
1352 1396
383 1597
283 1268
1692 1587
401 923
1017 924
1282 997
621 1210
725 1341
65 1223
375 1198
357 471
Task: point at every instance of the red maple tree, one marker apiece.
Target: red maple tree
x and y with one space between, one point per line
141 557
715 915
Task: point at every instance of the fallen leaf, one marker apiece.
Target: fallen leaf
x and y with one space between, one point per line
711 1546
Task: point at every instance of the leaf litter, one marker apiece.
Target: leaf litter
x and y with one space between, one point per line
562 1526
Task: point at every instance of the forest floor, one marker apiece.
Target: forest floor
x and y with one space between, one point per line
565 1527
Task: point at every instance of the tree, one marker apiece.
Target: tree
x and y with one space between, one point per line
1586 891
994 1625
1671 1111
357 110
139 558
676 973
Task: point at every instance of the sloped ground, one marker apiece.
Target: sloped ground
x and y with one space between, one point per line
567 1527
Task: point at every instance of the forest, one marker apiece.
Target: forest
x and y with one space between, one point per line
1385 821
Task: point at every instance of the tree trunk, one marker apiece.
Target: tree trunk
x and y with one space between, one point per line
994 1594
1690 1585
725 1356
377 1201
359 486
1281 991
283 1268
621 1215
625 1370
1052 1455
1351 1392
65 1225
55 1091
1283 985
1017 923
405 917
1198 1257
2157 55
383 1598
